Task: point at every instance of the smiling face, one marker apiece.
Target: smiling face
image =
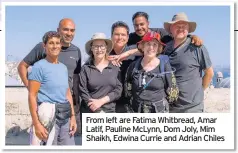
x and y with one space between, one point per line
99 49
141 25
53 47
120 37
151 48
179 30
67 31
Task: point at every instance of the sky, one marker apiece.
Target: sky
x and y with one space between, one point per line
25 25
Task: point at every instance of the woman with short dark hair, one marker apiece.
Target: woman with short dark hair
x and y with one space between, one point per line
50 100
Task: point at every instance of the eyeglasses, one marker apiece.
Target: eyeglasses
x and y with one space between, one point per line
102 47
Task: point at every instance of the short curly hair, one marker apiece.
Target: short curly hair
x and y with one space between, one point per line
50 34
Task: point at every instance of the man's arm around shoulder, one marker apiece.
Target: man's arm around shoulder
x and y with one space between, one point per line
35 55
22 71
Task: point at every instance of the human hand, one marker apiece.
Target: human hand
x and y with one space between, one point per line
196 40
123 56
112 57
73 125
95 104
116 63
41 132
114 60
117 59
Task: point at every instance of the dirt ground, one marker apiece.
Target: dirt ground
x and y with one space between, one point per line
216 101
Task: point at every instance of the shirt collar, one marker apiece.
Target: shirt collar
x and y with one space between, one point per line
90 64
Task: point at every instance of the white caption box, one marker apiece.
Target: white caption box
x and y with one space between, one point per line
158 131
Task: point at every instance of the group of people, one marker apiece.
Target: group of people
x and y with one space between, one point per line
151 70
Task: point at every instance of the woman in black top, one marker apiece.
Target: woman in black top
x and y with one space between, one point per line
150 83
100 83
